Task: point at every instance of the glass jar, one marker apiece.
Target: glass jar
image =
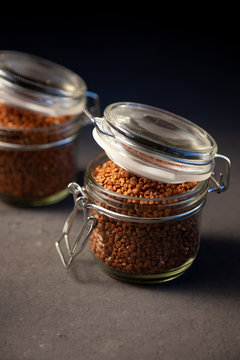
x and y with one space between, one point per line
145 239
41 113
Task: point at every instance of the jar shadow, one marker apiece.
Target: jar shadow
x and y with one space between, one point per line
85 271
215 271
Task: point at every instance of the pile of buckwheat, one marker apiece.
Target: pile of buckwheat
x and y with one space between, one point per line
142 248
34 174
114 178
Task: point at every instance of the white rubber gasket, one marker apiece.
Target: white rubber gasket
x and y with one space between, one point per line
126 160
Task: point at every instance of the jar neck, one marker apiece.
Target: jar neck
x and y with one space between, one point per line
178 206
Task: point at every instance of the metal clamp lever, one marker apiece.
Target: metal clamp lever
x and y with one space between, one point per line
222 183
97 121
88 225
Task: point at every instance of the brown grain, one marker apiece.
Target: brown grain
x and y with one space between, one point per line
33 174
142 248
114 178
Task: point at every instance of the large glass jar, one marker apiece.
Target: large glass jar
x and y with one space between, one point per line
135 237
41 113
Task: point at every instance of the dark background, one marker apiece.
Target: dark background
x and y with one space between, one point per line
190 67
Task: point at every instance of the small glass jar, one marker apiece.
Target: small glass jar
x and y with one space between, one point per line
145 239
41 113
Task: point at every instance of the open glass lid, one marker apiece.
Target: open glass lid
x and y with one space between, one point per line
154 143
41 85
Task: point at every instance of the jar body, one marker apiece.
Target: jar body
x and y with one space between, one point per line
41 113
36 165
142 199
145 253
146 240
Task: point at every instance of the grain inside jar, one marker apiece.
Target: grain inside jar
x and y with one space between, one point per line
31 166
142 248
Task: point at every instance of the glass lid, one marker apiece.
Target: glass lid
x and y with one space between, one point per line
41 84
161 130
154 143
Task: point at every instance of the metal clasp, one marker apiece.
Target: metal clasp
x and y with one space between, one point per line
222 183
93 106
97 121
89 224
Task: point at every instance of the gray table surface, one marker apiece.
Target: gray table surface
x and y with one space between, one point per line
47 312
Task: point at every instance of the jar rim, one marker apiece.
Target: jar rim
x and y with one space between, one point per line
102 156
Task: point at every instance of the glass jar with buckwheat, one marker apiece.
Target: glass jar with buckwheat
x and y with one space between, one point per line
142 199
41 114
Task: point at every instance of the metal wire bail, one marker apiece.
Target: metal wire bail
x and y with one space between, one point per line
222 183
89 223
97 121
